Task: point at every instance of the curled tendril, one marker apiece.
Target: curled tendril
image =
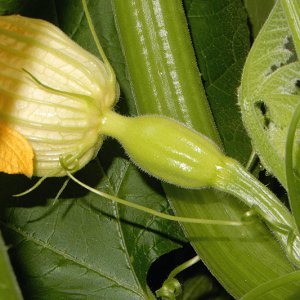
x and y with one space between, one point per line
171 286
69 163
170 289
250 216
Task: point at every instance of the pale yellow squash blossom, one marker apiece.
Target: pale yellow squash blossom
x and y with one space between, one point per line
53 93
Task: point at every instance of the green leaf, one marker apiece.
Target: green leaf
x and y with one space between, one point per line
269 92
258 11
9 6
9 288
292 11
291 178
261 291
85 245
221 41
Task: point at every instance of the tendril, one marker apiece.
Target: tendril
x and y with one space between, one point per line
56 91
70 163
97 42
154 212
170 289
171 286
35 186
63 187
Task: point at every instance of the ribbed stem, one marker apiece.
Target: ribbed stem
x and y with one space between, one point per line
164 58
234 179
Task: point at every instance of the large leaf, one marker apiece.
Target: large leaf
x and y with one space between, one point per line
269 91
9 6
85 246
9 288
258 11
221 41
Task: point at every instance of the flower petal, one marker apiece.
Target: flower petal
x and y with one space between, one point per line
16 154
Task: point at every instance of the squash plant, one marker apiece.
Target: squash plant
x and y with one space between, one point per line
66 242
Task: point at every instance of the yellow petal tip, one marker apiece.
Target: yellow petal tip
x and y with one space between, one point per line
16 153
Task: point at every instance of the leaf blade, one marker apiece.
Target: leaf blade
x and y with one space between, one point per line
270 72
221 41
9 288
82 246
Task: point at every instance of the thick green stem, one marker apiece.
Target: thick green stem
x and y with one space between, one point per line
234 179
168 66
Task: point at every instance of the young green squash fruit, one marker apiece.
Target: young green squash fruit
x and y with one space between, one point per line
167 149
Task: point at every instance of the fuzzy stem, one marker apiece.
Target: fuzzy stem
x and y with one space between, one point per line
234 179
